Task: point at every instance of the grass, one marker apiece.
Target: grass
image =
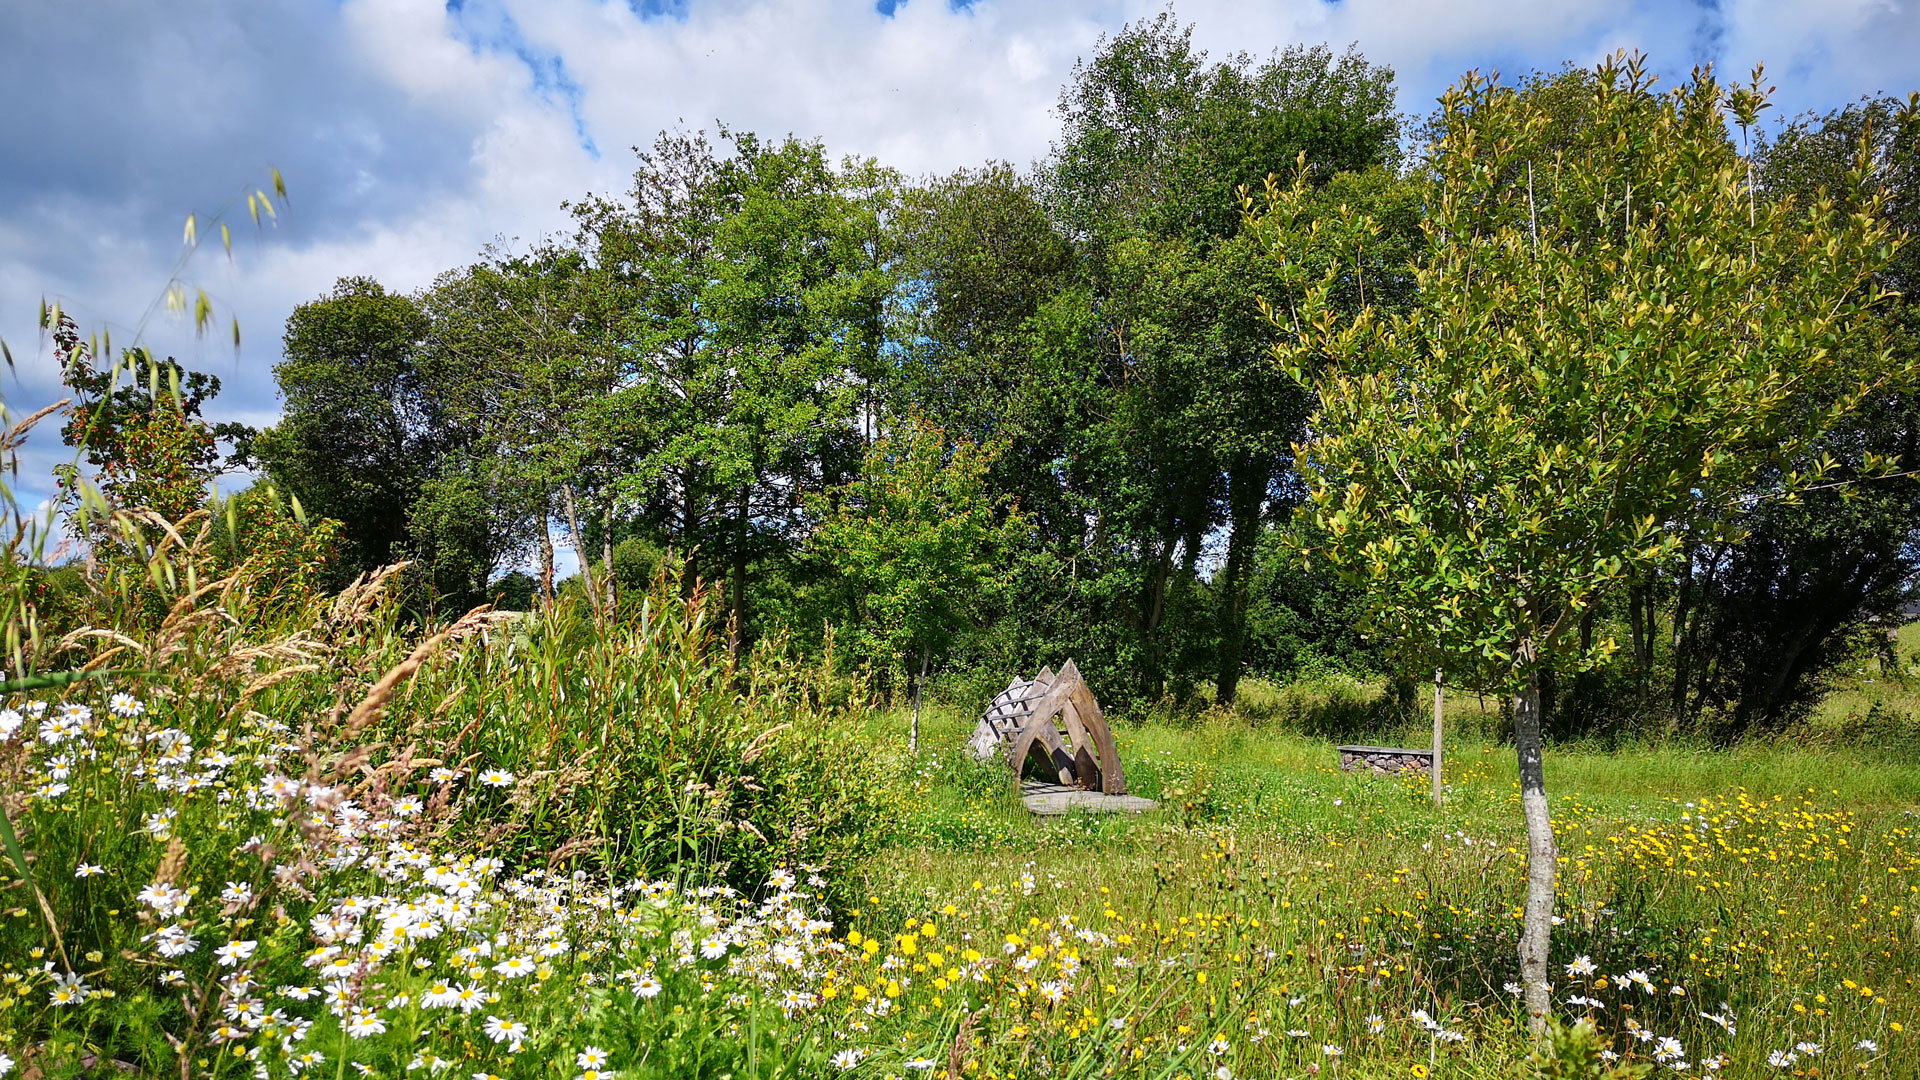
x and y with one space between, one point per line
1770 887
500 785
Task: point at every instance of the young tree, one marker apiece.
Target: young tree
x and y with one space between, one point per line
1611 333
913 547
138 424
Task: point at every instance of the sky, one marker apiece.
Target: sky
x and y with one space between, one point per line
411 133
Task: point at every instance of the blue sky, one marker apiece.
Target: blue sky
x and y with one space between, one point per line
412 132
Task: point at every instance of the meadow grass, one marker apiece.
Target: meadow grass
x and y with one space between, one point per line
576 848
1754 906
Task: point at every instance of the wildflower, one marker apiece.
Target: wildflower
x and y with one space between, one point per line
469 997
646 986
1582 966
165 900
10 722
1781 1059
845 1059
302 1062
511 1032
1218 1047
1811 1049
1223 1073
591 1057
920 1063
1585 1002
236 892
365 1022
60 729
235 951
1054 992
174 941
497 778
1668 1048
713 948
70 989
1867 1045
514 966
125 706
1331 1050
87 870
1640 979
159 824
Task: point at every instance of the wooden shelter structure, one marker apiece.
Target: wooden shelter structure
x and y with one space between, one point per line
1054 720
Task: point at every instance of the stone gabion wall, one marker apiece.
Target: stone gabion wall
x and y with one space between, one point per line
1386 762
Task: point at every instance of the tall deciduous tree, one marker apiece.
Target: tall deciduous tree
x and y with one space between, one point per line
1612 333
353 442
753 294
1196 427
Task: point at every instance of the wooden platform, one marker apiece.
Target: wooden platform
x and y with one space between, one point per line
1053 800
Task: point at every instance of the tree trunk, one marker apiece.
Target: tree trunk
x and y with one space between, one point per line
738 633
1246 488
546 564
606 554
579 549
1153 678
1683 601
1542 855
919 684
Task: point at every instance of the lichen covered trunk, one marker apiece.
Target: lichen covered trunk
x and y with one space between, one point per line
1542 854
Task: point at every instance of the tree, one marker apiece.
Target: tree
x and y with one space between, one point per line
913 548
753 298
1611 333
1810 578
1155 143
145 440
518 372
353 442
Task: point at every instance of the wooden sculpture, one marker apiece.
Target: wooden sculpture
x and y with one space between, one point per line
1055 720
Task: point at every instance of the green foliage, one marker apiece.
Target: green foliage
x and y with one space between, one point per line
352 442
909 553
1572 1052
1582 365
1194 423
145 440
